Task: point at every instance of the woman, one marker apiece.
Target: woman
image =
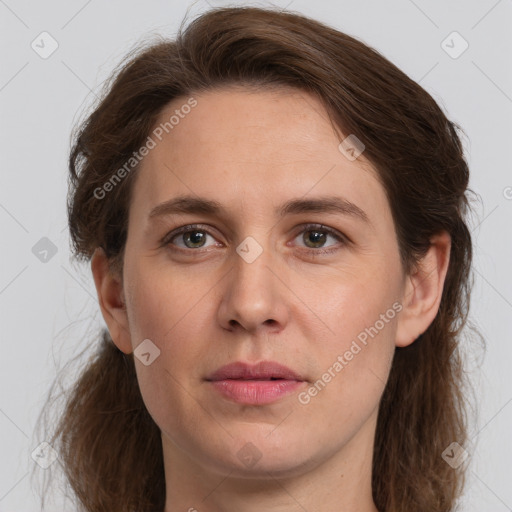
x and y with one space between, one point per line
275 220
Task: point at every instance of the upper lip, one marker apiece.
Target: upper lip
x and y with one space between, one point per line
264 370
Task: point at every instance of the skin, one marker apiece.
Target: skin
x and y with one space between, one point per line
205 307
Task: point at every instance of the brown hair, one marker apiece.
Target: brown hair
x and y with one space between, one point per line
109 446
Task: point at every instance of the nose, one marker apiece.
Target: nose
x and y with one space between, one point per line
254 297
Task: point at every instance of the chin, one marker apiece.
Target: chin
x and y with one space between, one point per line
253 453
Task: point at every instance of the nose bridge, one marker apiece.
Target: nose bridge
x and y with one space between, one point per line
254 295
251 276
252 262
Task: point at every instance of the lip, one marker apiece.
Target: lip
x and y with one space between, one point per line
258 384
265 370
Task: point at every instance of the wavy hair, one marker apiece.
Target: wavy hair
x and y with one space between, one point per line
109 446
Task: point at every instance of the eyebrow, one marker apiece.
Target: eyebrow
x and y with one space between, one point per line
324 204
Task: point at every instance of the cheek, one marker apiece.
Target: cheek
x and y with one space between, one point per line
168 311
356 299
355 358
353 371
159 303
166 314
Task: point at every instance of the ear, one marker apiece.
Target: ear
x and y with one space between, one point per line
423 291
109 287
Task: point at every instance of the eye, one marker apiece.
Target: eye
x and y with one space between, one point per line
189 237
315 236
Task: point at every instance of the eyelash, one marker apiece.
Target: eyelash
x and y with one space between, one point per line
306 227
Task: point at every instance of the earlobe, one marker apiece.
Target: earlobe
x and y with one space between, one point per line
423 291
109 287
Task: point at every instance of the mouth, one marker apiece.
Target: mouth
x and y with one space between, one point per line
265 370
260 384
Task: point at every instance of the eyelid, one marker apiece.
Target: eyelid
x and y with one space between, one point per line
321 227
340 237
184 229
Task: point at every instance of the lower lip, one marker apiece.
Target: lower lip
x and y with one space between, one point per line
255 392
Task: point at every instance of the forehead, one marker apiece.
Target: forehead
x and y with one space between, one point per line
238 144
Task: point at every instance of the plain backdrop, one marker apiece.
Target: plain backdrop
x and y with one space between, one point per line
48 303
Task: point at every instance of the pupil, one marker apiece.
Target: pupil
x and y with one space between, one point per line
316 237
196 237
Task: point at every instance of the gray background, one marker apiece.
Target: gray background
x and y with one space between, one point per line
48 303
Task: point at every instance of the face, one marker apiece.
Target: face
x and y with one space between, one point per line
284 252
